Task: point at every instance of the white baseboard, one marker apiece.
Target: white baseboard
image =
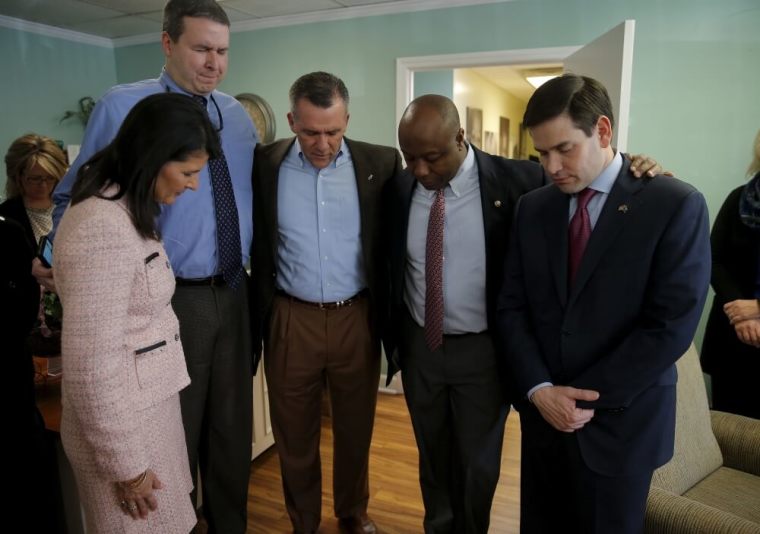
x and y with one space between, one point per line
396 387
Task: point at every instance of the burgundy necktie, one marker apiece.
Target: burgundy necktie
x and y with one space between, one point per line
579 233
434 273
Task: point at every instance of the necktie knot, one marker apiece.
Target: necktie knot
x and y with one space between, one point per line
584 197
200 100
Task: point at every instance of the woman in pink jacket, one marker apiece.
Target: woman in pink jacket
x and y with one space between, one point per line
122 358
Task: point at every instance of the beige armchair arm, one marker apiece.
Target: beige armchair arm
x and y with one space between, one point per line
739 441
668 513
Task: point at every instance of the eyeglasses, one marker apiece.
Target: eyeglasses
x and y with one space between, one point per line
37 180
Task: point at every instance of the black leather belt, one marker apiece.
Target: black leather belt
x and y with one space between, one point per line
216 280
325 305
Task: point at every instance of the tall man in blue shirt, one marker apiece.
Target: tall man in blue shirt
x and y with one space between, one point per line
605 281
213 315
320 296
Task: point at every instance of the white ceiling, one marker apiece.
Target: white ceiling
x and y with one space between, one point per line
121 22
512 79
118 19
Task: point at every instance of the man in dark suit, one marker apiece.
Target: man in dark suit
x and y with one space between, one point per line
320 295
453 386
605 282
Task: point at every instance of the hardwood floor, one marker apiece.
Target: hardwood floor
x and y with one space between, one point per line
395 502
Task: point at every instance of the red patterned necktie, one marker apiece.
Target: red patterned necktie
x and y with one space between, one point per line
434 273
579 233
227 221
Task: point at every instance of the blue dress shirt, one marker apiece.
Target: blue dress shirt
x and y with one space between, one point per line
319 252
188 227
464 253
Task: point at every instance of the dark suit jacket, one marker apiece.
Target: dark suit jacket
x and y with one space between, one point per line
629 316
374 165
502 182
735 248
14 209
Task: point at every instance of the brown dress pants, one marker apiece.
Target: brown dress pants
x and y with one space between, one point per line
305 348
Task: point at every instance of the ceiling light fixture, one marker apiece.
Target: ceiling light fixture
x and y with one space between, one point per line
538 81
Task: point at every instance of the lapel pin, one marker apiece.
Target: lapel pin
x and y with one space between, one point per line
370 177
497 203
623 208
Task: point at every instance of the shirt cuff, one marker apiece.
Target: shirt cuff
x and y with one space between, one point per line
532 390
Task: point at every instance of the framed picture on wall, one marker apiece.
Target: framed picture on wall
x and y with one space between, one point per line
504 137
489 142
521 145
474 129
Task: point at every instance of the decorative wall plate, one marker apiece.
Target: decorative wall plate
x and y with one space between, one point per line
261 115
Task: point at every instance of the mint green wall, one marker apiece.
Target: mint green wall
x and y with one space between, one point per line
42 78
696 73
434 82
696 70
695 81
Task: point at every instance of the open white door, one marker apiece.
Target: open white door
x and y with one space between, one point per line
609 59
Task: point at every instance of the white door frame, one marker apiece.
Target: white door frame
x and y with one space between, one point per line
405 66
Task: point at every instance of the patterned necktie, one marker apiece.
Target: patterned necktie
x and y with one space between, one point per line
434 273
227 222
579 233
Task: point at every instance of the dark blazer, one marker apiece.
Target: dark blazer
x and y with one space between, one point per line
736 251
374 165
630 315
14 209
502 182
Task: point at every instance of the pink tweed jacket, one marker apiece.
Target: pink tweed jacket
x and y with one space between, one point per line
121 347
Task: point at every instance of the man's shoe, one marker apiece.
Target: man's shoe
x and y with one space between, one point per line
360 524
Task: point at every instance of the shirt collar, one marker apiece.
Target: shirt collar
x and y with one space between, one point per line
465 178
169 84
341 158
604 182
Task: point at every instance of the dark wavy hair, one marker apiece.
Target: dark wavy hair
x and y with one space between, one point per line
584 99
161 128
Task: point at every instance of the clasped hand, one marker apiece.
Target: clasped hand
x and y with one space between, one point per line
557 405
744 315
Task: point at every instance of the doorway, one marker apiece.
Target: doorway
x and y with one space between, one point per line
608 58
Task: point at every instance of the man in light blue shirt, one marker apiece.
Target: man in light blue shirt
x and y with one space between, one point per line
320 296
213 316
455 389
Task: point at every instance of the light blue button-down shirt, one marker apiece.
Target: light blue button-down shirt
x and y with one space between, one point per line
188 227
319 252
464 253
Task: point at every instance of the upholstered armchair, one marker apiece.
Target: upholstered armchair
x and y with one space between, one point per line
712 484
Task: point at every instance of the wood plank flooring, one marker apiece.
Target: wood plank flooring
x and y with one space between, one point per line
395 502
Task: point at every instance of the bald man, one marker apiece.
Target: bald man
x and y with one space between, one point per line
453 385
